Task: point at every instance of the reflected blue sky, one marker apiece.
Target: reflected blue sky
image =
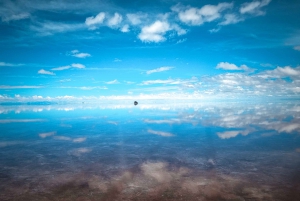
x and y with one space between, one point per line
251 143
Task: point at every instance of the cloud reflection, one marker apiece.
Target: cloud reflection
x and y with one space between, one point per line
161 133
231 134
44 135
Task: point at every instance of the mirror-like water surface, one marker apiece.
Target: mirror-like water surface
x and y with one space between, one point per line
224 151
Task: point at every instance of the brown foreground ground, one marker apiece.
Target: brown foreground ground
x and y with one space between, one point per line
156 181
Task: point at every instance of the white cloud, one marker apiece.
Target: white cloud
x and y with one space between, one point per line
154 32
115 20
91 88
196 16
81 55
48 134
254 7
125 28
74 65
9 64
231 134
5 121
161 69
78 54
215 30
42 71
281 72
79 140
135 19
161 133
93 22
181 41
117 60
170 81
229 66
61 68
16 17
50 28
297 48
77 65
19 87
230 19
113 82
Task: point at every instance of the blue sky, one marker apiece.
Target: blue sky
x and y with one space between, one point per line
66 49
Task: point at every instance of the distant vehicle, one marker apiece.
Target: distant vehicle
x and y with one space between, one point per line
135 103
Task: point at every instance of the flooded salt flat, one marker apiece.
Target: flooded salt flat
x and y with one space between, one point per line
186 151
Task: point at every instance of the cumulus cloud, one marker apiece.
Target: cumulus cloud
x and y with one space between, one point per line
154 32
197 16
281 72
94 22
76 53
161 69
161 133
115 20
125 28
44 72
229 66
135 19
254 7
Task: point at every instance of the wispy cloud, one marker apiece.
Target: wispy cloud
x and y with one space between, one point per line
297 48
48 134
20 87
5 121
76 53
170 81
74 65
254 7
61 68
49 28
45 72
15 17
161 69
77 65
117 60
113 82
9 64
85 87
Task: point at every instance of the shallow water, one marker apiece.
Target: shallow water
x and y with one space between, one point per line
161 151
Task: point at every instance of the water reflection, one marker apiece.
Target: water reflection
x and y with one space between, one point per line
207 151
